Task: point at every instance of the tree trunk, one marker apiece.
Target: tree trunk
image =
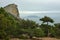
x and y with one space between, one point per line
47 30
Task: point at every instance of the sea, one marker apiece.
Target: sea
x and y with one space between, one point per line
36 16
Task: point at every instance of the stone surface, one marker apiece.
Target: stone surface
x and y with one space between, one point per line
12 8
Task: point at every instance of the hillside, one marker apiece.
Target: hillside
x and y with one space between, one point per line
12 27
8 24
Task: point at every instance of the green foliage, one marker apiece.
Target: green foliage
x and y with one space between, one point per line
57 30
8 23
10 26
38 32
13 27
46 19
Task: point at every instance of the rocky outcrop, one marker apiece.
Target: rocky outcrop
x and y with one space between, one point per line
12 8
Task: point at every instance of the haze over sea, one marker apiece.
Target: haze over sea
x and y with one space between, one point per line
36 16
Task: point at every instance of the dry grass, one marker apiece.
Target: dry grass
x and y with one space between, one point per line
45 38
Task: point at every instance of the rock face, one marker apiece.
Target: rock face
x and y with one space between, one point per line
12 8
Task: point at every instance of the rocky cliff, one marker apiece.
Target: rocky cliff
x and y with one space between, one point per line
12 8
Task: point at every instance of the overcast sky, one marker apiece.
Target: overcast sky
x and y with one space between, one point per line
28 7
34 5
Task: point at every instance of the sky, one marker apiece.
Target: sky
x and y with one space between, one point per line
35 7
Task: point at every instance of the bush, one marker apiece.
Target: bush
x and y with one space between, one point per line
39 32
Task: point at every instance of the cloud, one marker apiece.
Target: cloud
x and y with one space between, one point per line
35 12
42 5
41 1
34 5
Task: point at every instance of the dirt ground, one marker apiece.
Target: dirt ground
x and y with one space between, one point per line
45 38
